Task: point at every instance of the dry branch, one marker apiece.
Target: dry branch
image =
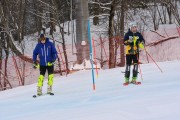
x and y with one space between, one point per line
161 41
158 33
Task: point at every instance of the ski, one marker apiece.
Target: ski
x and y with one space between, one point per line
137 83
124 72
34 96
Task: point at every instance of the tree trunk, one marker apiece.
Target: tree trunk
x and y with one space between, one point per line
111 41
169 14
121 38
21 20
56 3
37 18
164 14
82 15
101 43
23 72
64 49
52 25
5 70
1 86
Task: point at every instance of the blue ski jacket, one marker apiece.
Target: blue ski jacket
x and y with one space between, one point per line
47 52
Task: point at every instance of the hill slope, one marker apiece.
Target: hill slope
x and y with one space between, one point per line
156 99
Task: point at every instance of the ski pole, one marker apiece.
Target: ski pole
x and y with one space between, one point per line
139 68
147 57
153 60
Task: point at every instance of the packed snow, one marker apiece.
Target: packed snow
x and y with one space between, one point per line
157 98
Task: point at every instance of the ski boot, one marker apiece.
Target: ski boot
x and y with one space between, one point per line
127 74
40 84
50 83
49 89
134 81
39 91
126 81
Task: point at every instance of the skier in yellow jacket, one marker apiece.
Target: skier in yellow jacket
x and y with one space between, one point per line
133 40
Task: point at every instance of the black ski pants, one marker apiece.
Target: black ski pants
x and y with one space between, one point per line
129 60
43 69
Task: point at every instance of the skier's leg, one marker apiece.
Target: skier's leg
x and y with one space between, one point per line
128 67
41 79
135 72
127 73
135 69
50 79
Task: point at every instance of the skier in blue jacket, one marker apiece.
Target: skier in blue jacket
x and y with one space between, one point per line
47 54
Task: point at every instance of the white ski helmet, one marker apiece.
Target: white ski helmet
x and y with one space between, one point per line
133 24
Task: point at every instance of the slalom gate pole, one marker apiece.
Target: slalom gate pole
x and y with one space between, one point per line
91 56
153 60
95 57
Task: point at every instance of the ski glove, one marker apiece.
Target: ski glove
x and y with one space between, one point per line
35 65
51 63
128 42
141 45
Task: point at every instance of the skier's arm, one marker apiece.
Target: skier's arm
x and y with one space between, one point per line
142 41
141 38
35 53
126 39
54 53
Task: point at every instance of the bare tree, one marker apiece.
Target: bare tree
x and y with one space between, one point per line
121 31
172 8
153 12
111 36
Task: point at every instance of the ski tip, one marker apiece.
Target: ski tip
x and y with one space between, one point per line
125 84
138 83
34 96
51 94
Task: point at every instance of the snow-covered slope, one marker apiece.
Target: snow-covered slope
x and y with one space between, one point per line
156 99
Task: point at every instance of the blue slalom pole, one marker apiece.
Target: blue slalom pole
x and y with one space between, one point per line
91 57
